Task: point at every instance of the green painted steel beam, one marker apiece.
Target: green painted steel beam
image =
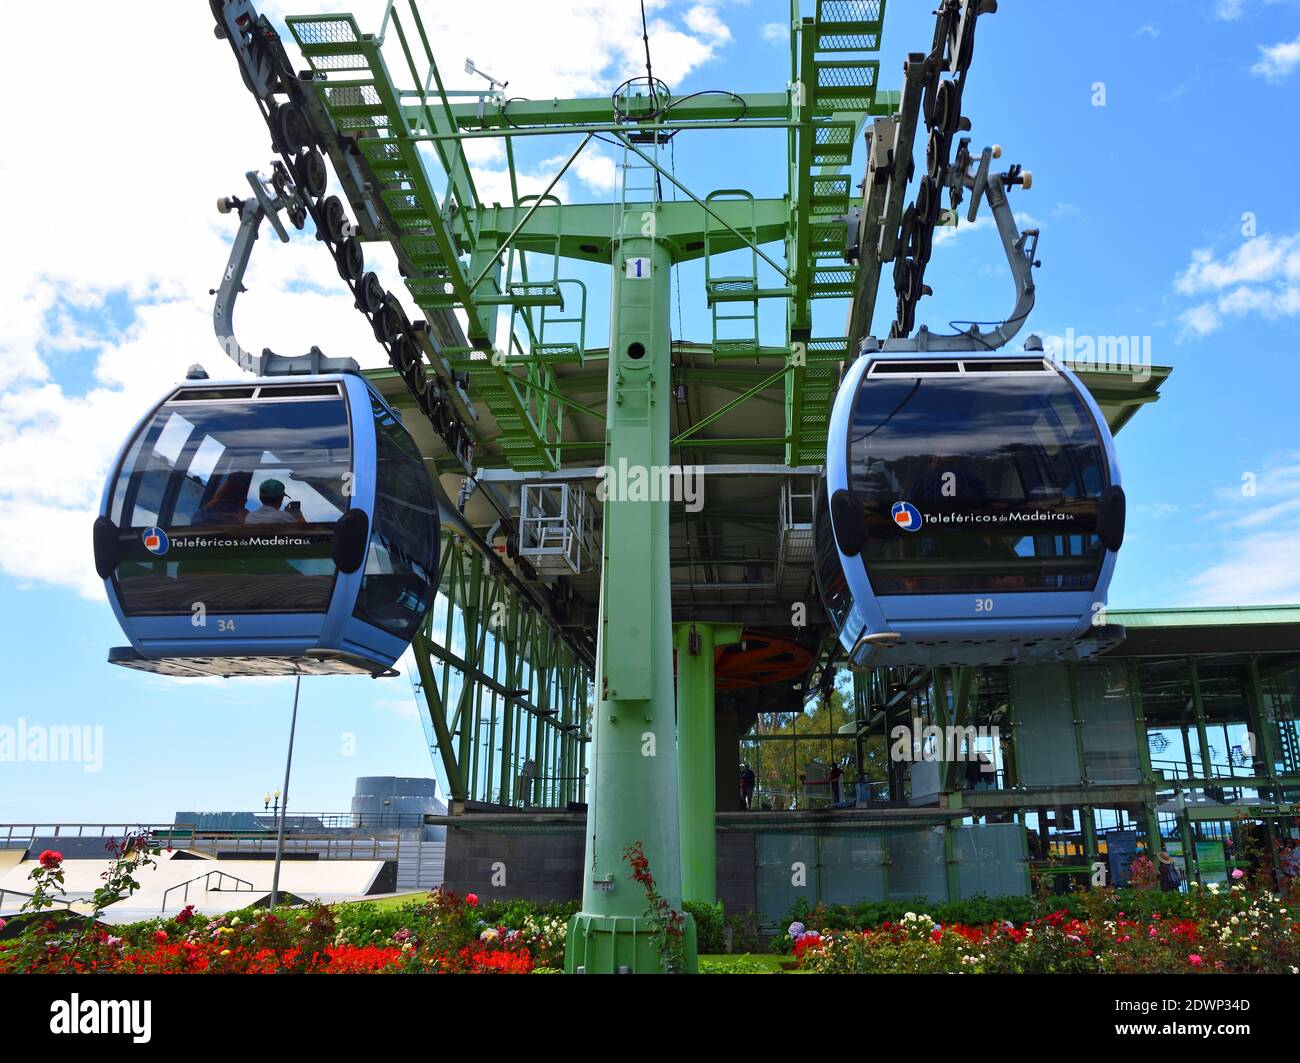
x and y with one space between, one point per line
585 234
597 110
697 795
762 110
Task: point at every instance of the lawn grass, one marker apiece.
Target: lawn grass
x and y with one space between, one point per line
746 963
396 901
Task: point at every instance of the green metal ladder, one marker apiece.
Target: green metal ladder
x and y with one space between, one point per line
839 92
734 299
363 101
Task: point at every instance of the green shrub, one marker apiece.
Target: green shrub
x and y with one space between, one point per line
710 925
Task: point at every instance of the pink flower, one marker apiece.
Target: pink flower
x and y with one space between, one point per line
1195 960
1238 873
401 935
471 899
3 924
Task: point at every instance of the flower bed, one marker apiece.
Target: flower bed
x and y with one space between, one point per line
1232 930
445 934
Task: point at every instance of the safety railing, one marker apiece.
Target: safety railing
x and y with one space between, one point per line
22 893
21 835
242 885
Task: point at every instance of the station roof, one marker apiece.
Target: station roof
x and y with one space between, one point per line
711 385
1209 629
714 551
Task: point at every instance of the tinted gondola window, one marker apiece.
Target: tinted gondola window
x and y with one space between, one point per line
398 585
230 505
831 583
977 483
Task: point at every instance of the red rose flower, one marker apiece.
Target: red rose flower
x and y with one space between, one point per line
471 899
50 859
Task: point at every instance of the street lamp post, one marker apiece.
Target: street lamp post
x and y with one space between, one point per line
284 802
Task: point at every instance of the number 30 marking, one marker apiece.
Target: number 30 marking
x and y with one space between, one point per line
983 605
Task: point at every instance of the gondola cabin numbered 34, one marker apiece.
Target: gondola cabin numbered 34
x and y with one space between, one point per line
268 527
970 513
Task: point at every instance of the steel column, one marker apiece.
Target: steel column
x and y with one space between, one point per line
634 796
697 794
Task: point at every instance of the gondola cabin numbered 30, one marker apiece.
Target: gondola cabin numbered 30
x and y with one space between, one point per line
268 527
970 513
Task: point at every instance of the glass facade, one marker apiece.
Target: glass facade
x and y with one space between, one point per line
1281 695
1046 751
1169 706
1105 706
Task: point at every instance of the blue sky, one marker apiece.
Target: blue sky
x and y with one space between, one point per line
1146 207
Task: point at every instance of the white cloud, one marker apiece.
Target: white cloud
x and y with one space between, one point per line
776 32
704 20
1261 276
1260 563
1262 569
596 170
1276 61
1228 10
1199 320
403 708
107 304
1147 30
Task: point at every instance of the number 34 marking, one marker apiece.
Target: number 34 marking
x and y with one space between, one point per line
983 605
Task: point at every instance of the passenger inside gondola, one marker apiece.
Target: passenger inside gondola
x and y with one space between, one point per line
271 495
228 503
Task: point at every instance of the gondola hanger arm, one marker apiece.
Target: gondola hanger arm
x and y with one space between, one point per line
268 199
1020 248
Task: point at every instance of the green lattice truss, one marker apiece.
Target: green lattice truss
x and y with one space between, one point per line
410 184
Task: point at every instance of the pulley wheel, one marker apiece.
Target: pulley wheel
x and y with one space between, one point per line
405 354
292 128
419 379
311 172
907 229
936 155
945 108
371 294
334 219
387 326
351 259
927 202
924 245
903 269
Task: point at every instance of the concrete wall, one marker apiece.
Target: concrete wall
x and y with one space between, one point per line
548 867
737 872
537 867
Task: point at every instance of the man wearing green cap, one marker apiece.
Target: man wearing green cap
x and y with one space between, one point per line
271 494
